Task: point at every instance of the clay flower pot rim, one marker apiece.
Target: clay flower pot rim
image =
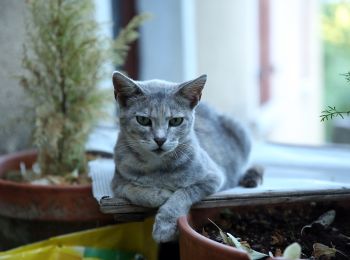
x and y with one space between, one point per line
44 186
62 203
186 229
183 223
7 157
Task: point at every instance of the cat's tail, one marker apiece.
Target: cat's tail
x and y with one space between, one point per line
252 177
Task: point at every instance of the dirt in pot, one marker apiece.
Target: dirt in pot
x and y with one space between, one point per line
323 231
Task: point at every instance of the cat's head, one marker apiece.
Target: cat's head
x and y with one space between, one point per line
156 116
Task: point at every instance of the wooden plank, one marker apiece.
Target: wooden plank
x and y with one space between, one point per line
123 208
117 206
274 198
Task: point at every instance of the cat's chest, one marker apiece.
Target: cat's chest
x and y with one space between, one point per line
163 177
168 180
170 173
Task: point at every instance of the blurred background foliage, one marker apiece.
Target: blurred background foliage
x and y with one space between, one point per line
336 42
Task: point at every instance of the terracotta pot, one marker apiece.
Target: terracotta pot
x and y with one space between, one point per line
196 246
193 245
33 212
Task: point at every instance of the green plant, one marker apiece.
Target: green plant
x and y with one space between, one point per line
63 60
331 112
336 35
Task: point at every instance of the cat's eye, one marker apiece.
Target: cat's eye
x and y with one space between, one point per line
143 120
176 121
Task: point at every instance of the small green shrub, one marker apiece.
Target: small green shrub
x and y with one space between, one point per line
63 60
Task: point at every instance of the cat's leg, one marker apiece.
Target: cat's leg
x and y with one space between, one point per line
179 204
252 177
151 197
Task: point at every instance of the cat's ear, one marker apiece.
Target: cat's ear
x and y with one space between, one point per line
124 88
192 90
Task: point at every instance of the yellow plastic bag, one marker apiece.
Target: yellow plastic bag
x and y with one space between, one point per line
122 241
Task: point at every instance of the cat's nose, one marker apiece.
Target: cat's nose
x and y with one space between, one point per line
160 141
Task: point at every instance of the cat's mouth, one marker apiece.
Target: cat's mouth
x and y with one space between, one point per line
158 150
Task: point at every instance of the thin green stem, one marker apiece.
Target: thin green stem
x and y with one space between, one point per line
332 112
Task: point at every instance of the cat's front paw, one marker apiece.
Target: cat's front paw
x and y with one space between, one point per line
163 195
165 227
157 198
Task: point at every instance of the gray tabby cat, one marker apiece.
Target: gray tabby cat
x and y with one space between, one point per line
172 151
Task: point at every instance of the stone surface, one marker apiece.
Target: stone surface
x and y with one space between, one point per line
14 114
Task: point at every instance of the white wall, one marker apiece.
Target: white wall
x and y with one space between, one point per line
293 113
221 38
161 44
191 37
227 50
